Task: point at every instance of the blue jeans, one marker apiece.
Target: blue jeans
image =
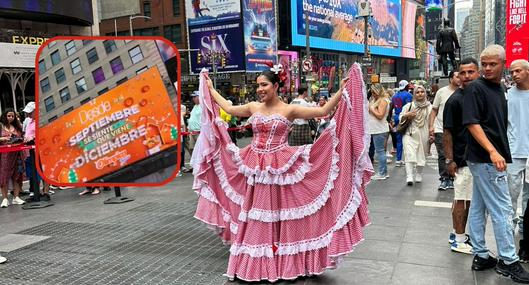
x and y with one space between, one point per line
491 195
399 147
379 140
515 179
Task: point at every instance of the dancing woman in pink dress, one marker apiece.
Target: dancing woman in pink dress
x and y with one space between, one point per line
286 211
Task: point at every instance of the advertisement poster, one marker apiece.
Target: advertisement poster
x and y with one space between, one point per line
290 61
409 10
333 25
260 37
434 4
517 31
127 124
200 12
219 43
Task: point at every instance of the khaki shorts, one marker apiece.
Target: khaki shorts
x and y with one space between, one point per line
463 184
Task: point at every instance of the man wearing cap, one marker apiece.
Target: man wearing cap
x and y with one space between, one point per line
193 124
400 99
29 138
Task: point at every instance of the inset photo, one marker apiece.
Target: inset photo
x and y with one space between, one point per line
106 111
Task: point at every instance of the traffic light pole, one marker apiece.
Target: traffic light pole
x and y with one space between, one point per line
308 76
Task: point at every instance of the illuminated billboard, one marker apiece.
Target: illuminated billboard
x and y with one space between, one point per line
125 125
516 31
333 25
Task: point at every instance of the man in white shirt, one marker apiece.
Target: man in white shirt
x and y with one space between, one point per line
300 133
518 135
436 127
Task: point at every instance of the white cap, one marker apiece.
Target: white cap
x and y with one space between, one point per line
402 84
30 107
195 93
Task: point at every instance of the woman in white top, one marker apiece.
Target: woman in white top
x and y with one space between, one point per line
415 140
379 128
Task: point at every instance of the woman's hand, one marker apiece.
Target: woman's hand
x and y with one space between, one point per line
411 115
209 82
343 82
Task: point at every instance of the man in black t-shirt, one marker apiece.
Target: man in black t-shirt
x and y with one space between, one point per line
455 138
487 155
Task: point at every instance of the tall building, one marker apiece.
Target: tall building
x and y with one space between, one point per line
461 15
73 72
470 34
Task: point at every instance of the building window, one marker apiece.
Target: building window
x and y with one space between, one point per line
92 55
85 100
70 47
68 110
99 75
49 103
122 80
42 66
81 85
135 54
102 91
51 44
173 33
176 7
52 119
147 9
55 57
45 85
110 46
142 70
60 76
76 66
65 95
116 65
147 32
86 42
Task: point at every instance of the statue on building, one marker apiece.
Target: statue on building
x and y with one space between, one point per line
446 46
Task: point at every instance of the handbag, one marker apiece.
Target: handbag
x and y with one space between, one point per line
403 126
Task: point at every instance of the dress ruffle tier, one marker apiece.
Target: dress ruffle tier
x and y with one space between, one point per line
286 211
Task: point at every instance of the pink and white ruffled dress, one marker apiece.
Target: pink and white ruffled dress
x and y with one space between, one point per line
286 211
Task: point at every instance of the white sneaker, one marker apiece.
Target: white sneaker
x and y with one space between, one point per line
409 181
18 201
379 177
461 247
65 187
399 163
53 187
2 259
5 203
418 177
51 192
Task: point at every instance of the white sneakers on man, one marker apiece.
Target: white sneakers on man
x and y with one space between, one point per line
18 201
5 203
2 259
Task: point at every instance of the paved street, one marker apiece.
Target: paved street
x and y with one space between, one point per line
155 240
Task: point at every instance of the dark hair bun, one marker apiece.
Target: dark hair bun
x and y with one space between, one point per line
273 77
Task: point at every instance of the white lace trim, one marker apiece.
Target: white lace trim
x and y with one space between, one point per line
305 245
206 193
272 175
305 210
225 185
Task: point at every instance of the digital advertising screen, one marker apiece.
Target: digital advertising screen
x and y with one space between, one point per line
130 122
200 12
517 31
260 34
333 25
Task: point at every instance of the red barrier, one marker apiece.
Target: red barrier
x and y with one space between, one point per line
14 147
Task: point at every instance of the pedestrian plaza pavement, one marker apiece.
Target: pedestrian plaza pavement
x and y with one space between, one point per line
156 240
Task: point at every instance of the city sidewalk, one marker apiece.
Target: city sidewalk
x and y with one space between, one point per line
156 240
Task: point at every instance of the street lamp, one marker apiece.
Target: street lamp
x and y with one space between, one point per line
134 17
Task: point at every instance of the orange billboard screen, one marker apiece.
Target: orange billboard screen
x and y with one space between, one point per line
127 124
